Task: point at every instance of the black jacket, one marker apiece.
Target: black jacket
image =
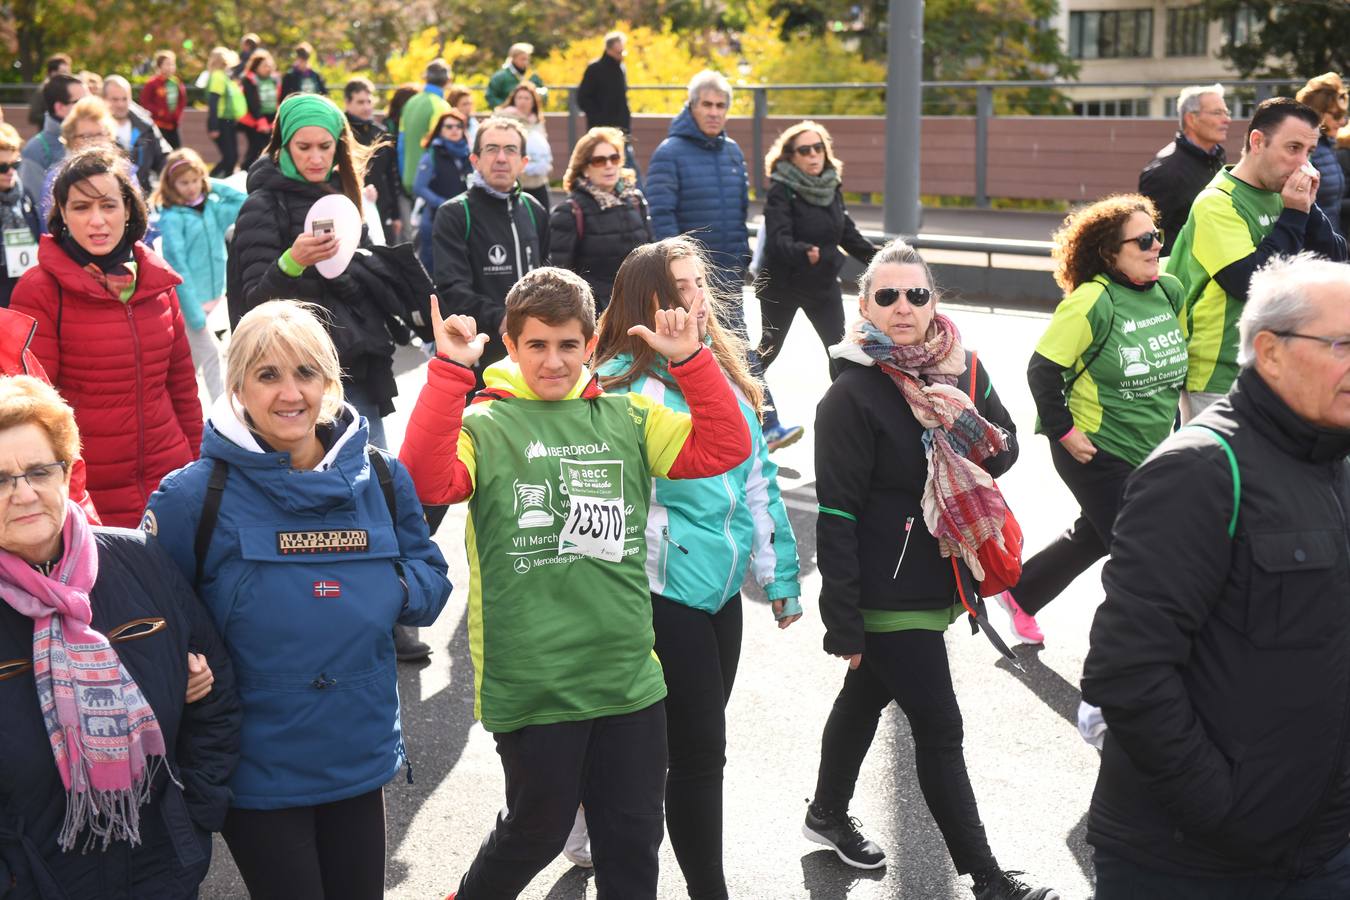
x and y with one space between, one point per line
136 580
870 472
792 226
603 94
21 206
294 80
607 238
268 223
148 149
382 170
481 251
1173 178
1220 664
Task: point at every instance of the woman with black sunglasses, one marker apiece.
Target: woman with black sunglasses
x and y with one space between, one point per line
805 225
907 438
604 216
1106 377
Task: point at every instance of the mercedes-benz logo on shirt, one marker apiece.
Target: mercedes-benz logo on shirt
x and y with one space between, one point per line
496 254
522 565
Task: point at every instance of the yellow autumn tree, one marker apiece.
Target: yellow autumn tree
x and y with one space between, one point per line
411 63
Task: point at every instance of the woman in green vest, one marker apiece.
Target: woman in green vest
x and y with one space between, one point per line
224 107
1106 377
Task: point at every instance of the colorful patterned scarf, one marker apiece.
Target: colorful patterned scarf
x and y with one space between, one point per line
623 193
962 506
105 738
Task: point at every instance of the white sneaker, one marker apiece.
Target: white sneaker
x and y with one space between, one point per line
577 850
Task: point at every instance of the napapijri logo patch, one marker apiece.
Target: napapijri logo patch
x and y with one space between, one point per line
346 541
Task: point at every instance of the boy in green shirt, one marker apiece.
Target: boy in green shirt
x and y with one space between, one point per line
557 477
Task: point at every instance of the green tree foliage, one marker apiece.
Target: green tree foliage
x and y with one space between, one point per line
1288 40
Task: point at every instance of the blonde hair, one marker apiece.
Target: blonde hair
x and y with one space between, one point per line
178 162
88 109
25 400
783 145
9 138
291 330
581 154
222 58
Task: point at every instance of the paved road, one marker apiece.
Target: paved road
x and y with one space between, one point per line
1033 777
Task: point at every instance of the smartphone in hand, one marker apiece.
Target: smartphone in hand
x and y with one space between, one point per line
323 227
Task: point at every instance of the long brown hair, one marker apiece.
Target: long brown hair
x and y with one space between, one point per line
642 286
350 156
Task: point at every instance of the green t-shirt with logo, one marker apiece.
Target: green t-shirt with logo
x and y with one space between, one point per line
171 94
1229 220
267 95
1126 361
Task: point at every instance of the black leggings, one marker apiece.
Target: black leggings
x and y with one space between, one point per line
826 314
257 143
909 667
333 851
228 145
1097 486
699 653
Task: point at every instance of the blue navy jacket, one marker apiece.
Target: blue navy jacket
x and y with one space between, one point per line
699 184
305 577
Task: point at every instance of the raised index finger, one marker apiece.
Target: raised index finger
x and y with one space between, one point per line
436 319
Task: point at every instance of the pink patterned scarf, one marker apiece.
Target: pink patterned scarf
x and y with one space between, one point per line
105 738
962 506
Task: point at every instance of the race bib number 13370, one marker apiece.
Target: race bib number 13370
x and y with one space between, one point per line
595 523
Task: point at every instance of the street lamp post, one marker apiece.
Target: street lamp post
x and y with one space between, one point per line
904 90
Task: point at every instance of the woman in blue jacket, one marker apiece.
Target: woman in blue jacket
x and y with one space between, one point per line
442 173
195 211
702 535
307 545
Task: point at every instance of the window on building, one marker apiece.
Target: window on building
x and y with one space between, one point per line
1240 25
1110 34
1128 107
1187 31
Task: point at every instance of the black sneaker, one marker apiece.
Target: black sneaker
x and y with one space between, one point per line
841 832
407 648
1001 885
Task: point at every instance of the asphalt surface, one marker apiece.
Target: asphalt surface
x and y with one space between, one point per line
1033 776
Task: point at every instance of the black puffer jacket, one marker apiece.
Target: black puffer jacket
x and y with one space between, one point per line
606 239
137 582
870 472
1220 663
1173 178
793 226
268 223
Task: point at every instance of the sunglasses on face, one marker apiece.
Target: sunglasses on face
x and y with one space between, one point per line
917 296
8 167
612 160
1145 240
809 149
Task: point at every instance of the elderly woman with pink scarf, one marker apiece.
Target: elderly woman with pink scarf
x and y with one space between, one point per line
111 782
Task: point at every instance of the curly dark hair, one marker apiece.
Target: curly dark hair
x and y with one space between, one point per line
1087 243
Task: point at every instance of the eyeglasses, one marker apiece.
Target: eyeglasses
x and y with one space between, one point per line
500 150
8 167
917 296
809 149
612 160
39 478
455 124
1145 241
1340 347
1217 113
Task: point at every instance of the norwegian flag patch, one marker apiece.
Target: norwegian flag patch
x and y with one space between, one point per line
327 589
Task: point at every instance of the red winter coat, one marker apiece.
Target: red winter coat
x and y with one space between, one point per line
155 99
16 333
125 368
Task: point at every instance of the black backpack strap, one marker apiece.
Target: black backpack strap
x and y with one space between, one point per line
381 467
206 525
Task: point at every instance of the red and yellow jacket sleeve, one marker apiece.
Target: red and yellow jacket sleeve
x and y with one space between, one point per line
711 439
436 451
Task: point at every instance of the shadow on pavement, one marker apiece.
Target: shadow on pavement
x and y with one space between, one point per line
572 886
1053 689
825 878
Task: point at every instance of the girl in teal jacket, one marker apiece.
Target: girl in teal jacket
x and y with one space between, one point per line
195 211
702 535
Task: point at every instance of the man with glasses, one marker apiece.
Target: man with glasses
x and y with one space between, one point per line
488 237
1183 168
1250 212
1219 655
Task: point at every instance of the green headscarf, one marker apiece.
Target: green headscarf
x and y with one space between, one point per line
302 110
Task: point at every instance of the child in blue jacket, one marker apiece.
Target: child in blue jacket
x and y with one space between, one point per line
195 212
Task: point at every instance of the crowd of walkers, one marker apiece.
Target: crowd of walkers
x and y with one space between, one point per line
594 398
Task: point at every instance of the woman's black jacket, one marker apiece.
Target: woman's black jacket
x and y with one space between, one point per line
606 239
792 226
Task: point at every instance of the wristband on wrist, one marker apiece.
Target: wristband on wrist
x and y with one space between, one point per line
288 265
1066 435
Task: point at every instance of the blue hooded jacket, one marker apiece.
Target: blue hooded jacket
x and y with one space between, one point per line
699 184
305 577
193 243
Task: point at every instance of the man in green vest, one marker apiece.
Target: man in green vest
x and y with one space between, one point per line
557 475
419 114
1260 208
515 70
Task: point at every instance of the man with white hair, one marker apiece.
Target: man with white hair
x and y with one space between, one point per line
136 132
515 70
698 184
1183 168
1221 656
